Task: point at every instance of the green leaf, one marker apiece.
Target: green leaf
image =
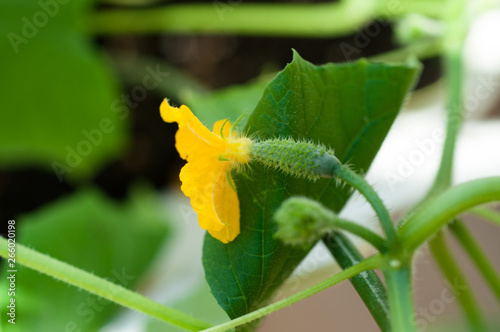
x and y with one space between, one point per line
348 107
59 102
114 241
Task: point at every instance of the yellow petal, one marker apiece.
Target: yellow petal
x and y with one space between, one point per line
192 137
227 208
174 114
212 198
204 177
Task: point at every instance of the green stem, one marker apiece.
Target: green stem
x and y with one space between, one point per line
487 213
372 197
477 255
456 31
431 216
454 201
271 19
453 67
370 263
457 282
399 291
361 231
422 49
101 287
367 283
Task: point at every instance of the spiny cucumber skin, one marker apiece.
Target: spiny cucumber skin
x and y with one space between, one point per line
301 159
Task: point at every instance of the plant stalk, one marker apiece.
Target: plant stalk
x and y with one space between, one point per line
257 19
367 284
399 292
101 287
430 217
477 255
457 282
372 197
453 69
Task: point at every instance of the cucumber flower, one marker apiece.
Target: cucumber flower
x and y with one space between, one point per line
212 156
206 177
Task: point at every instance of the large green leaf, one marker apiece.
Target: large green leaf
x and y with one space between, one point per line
113 241
348 107
59 102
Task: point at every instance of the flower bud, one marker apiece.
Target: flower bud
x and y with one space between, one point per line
303 221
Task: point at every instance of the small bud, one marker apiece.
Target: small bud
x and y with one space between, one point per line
303 221
302 159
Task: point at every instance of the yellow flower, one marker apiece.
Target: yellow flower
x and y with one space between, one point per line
210 155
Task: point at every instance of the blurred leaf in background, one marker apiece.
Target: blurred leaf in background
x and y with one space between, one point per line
228 103
114 241
59 102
